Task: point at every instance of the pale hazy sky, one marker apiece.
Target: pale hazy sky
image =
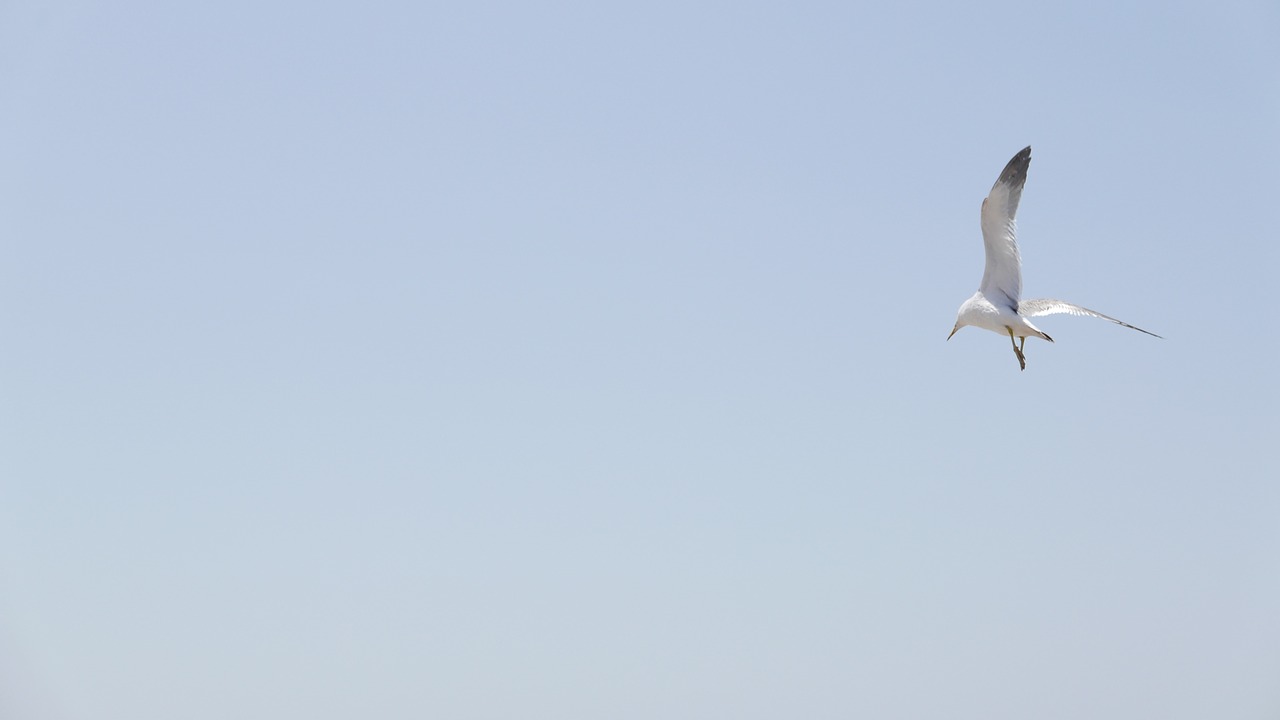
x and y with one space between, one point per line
564 360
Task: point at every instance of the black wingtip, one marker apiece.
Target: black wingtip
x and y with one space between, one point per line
1015 173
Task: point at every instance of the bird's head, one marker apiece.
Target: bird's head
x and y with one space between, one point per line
960 322
968 311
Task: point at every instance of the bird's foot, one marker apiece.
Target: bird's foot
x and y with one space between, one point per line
1022 361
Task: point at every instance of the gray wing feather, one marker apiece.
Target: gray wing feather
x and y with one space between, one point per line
1036 308
1003 270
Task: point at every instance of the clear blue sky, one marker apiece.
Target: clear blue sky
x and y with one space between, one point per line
586 360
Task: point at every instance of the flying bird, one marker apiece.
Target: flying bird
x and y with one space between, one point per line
997 306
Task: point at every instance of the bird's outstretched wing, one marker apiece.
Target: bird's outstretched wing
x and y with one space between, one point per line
1003 274
1036 308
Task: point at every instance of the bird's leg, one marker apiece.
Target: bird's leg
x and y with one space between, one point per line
1022 360
1022 343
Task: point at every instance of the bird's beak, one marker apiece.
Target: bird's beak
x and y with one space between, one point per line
953 330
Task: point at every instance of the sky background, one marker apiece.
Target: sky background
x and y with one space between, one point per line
586 360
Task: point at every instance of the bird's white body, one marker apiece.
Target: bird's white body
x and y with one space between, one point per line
997 306
980 312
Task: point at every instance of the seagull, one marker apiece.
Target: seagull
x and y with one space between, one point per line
997 306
